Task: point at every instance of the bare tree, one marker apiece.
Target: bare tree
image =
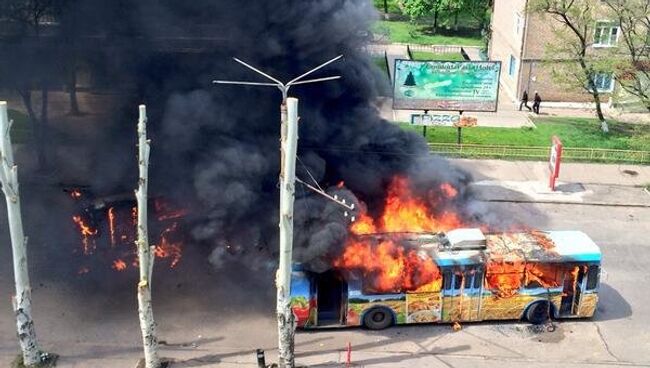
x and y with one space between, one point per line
633 54
22 301
575 23
36 65
145 251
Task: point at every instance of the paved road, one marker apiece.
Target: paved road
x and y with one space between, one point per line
217 319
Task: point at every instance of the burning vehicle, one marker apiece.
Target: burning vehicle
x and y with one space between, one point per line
416 263
462 275
107 225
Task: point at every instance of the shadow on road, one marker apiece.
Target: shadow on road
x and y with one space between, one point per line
611 305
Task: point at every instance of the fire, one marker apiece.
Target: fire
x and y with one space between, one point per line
504 278
121 225
404 212
87 233
111 224
389 266
75 194
448 190
167 247
119 265
363 225
165 210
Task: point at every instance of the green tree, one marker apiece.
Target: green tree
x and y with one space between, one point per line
574 23
632 56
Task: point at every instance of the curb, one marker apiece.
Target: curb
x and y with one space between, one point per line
600 204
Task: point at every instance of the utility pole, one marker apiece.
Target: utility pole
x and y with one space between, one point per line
145 251
288 149
22 301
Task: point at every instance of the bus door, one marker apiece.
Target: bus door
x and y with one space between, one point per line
331 298
452 282
574 284
471 294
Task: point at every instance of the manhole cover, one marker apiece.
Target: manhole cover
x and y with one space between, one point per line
630 172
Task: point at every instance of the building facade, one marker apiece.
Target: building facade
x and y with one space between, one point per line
519 39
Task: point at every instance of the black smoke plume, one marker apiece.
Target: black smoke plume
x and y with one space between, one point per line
216 148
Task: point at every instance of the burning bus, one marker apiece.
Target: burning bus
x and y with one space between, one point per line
462 275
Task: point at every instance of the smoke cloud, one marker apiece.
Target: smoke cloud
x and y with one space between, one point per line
216 148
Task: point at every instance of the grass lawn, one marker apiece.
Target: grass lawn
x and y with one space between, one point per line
21 130
406 32
574 132
424 55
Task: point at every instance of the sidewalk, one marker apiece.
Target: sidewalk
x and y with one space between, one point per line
507 115
588 184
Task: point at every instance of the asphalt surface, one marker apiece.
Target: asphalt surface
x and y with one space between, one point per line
217 319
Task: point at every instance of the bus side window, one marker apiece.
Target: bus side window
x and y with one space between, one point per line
447 276
478 279
458 280
592 277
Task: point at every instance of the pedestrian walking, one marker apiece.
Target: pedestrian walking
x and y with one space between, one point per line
537 100
524 101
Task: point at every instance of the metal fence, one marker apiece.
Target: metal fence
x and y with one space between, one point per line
539 153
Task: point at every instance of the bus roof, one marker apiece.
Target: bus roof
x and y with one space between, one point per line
575 245
535 246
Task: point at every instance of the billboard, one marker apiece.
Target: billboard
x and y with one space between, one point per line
446 85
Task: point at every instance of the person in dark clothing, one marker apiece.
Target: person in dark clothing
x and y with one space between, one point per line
524 101
536 102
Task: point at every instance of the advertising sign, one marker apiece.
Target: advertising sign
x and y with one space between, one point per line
554 161
446 85
435 120
450 120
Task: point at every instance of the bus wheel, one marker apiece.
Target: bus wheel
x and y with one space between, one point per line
538 313
378 319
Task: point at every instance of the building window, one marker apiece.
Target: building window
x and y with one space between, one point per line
604 82
519 23
606 34
512 66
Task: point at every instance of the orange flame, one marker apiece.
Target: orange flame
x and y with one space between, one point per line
87 234
364 224
167 247
389 266
119 265
404 212
75 194
448 190
111 225
166 212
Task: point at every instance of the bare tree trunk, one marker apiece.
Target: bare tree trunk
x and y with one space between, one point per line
39 144
22 301
145 252
286 319
593 89
72 91
43 131
435 20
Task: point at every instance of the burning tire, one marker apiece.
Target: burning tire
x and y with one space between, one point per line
538 312
378 318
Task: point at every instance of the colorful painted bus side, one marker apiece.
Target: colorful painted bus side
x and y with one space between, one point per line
466 293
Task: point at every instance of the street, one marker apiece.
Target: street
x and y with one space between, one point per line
210 318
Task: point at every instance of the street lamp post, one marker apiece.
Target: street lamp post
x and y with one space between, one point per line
288 149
